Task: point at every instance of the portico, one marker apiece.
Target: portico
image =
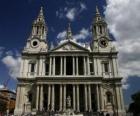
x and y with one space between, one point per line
81 102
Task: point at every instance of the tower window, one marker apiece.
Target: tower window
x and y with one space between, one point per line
37 29
106 67
32 67
100 29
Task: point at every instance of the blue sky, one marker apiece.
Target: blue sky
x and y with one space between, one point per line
17 17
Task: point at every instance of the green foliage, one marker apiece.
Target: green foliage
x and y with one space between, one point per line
134 107
2 106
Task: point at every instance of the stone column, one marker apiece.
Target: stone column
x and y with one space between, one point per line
77 70
60 102
85 71
101 97
61 66
18 97
37 96
88 67
89 95
49 97
73 65
22 67
99 67
40 65
64 98
41 97
118 97
97 97
74 101
53 98
77 88
95 67
54 65
64 65
50 66
122 100
86 103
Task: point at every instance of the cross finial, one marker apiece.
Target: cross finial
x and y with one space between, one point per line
97 10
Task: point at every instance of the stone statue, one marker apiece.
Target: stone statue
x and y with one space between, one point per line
69 102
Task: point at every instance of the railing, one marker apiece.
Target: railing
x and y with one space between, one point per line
107 74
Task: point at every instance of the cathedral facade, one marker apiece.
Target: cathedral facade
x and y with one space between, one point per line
86 77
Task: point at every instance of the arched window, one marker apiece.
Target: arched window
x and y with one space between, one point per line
32 65
109 97
100 29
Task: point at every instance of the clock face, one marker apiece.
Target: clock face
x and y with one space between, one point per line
103 42
35 43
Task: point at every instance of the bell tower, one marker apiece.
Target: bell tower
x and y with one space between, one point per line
101 41
39 28
37 40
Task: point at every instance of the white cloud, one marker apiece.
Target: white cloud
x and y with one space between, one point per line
83 6
61 35
13 65
71 14
123 18
83 34
1 86
60 13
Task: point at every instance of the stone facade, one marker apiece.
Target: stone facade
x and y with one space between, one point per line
89 75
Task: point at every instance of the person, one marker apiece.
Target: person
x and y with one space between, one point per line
107 114
101 114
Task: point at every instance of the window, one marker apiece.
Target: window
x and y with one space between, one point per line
32 67
37 29
109 97
100 29
106 67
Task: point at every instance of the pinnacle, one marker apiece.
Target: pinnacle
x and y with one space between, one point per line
97 11
40 17
41 12
69 32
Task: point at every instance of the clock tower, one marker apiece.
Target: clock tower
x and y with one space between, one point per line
37 39
101 40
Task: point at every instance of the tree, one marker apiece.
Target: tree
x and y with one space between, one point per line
2 106
134 107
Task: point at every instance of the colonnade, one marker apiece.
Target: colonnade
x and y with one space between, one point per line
51 104
75 65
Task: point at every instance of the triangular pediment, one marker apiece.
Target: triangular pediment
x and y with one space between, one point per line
70 46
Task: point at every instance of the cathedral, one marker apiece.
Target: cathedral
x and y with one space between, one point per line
83 79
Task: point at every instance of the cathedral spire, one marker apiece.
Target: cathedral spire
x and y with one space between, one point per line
40 17
69 32
39 28
97 11
98 16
